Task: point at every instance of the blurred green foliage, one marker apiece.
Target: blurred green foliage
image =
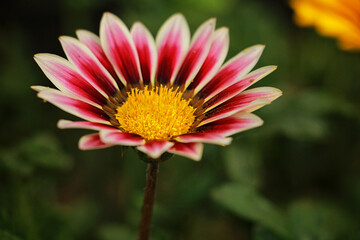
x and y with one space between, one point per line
297 177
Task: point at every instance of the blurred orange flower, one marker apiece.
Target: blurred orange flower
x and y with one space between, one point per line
334 18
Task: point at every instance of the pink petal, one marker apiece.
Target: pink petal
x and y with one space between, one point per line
116 137
196 55
89 65
216 56
66 78
155 149
146 49
190 150
120 49
73 106
91 141
231 125
92 41
66 124
172 42
249 100
242 84
268 94
227 109
232 71
204 137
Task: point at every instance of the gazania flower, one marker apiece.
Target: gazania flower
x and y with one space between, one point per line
333 18
165 95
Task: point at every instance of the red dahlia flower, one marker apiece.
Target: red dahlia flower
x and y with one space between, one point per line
165 95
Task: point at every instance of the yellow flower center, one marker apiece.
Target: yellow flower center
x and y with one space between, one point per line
157 114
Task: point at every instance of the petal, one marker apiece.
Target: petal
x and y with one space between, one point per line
115 137
74 106
91 141
226 110
155 149
146 49
119 48
247 101
232 71
216 56
236 88
232 125
261 93
197 53
172 42
204 137
88 64
92 41
39 88
66 78
190 150
66 124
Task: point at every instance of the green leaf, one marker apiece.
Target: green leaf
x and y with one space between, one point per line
115 232
76 219
44 150
242 164
246 202
262 233
11 161
5 235
40 150
320 221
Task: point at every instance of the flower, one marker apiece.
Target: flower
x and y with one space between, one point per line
333 18
164 95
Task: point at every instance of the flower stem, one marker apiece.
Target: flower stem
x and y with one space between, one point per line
148 202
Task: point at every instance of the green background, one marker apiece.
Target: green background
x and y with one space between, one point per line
296 177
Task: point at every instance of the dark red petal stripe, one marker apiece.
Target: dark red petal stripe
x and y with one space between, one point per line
234 105
230 125
196 54
166 63
115 39
172 41
88 64
93 43
231 72
58 70
214 59
238 86
142 44
74 106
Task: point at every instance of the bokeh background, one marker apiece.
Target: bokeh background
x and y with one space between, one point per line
296 177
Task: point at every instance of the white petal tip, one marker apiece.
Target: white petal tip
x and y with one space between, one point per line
177 15
109 16
85 34
62 123
39 56
211 22
39 88
256 48
227 141
67 39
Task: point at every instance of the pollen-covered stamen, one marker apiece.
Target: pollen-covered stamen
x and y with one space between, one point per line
157 114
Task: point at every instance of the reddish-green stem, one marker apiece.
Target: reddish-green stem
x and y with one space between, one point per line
148 202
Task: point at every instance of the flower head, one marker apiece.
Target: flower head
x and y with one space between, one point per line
333 18
165 95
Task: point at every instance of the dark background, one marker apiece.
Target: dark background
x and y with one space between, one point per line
296 177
